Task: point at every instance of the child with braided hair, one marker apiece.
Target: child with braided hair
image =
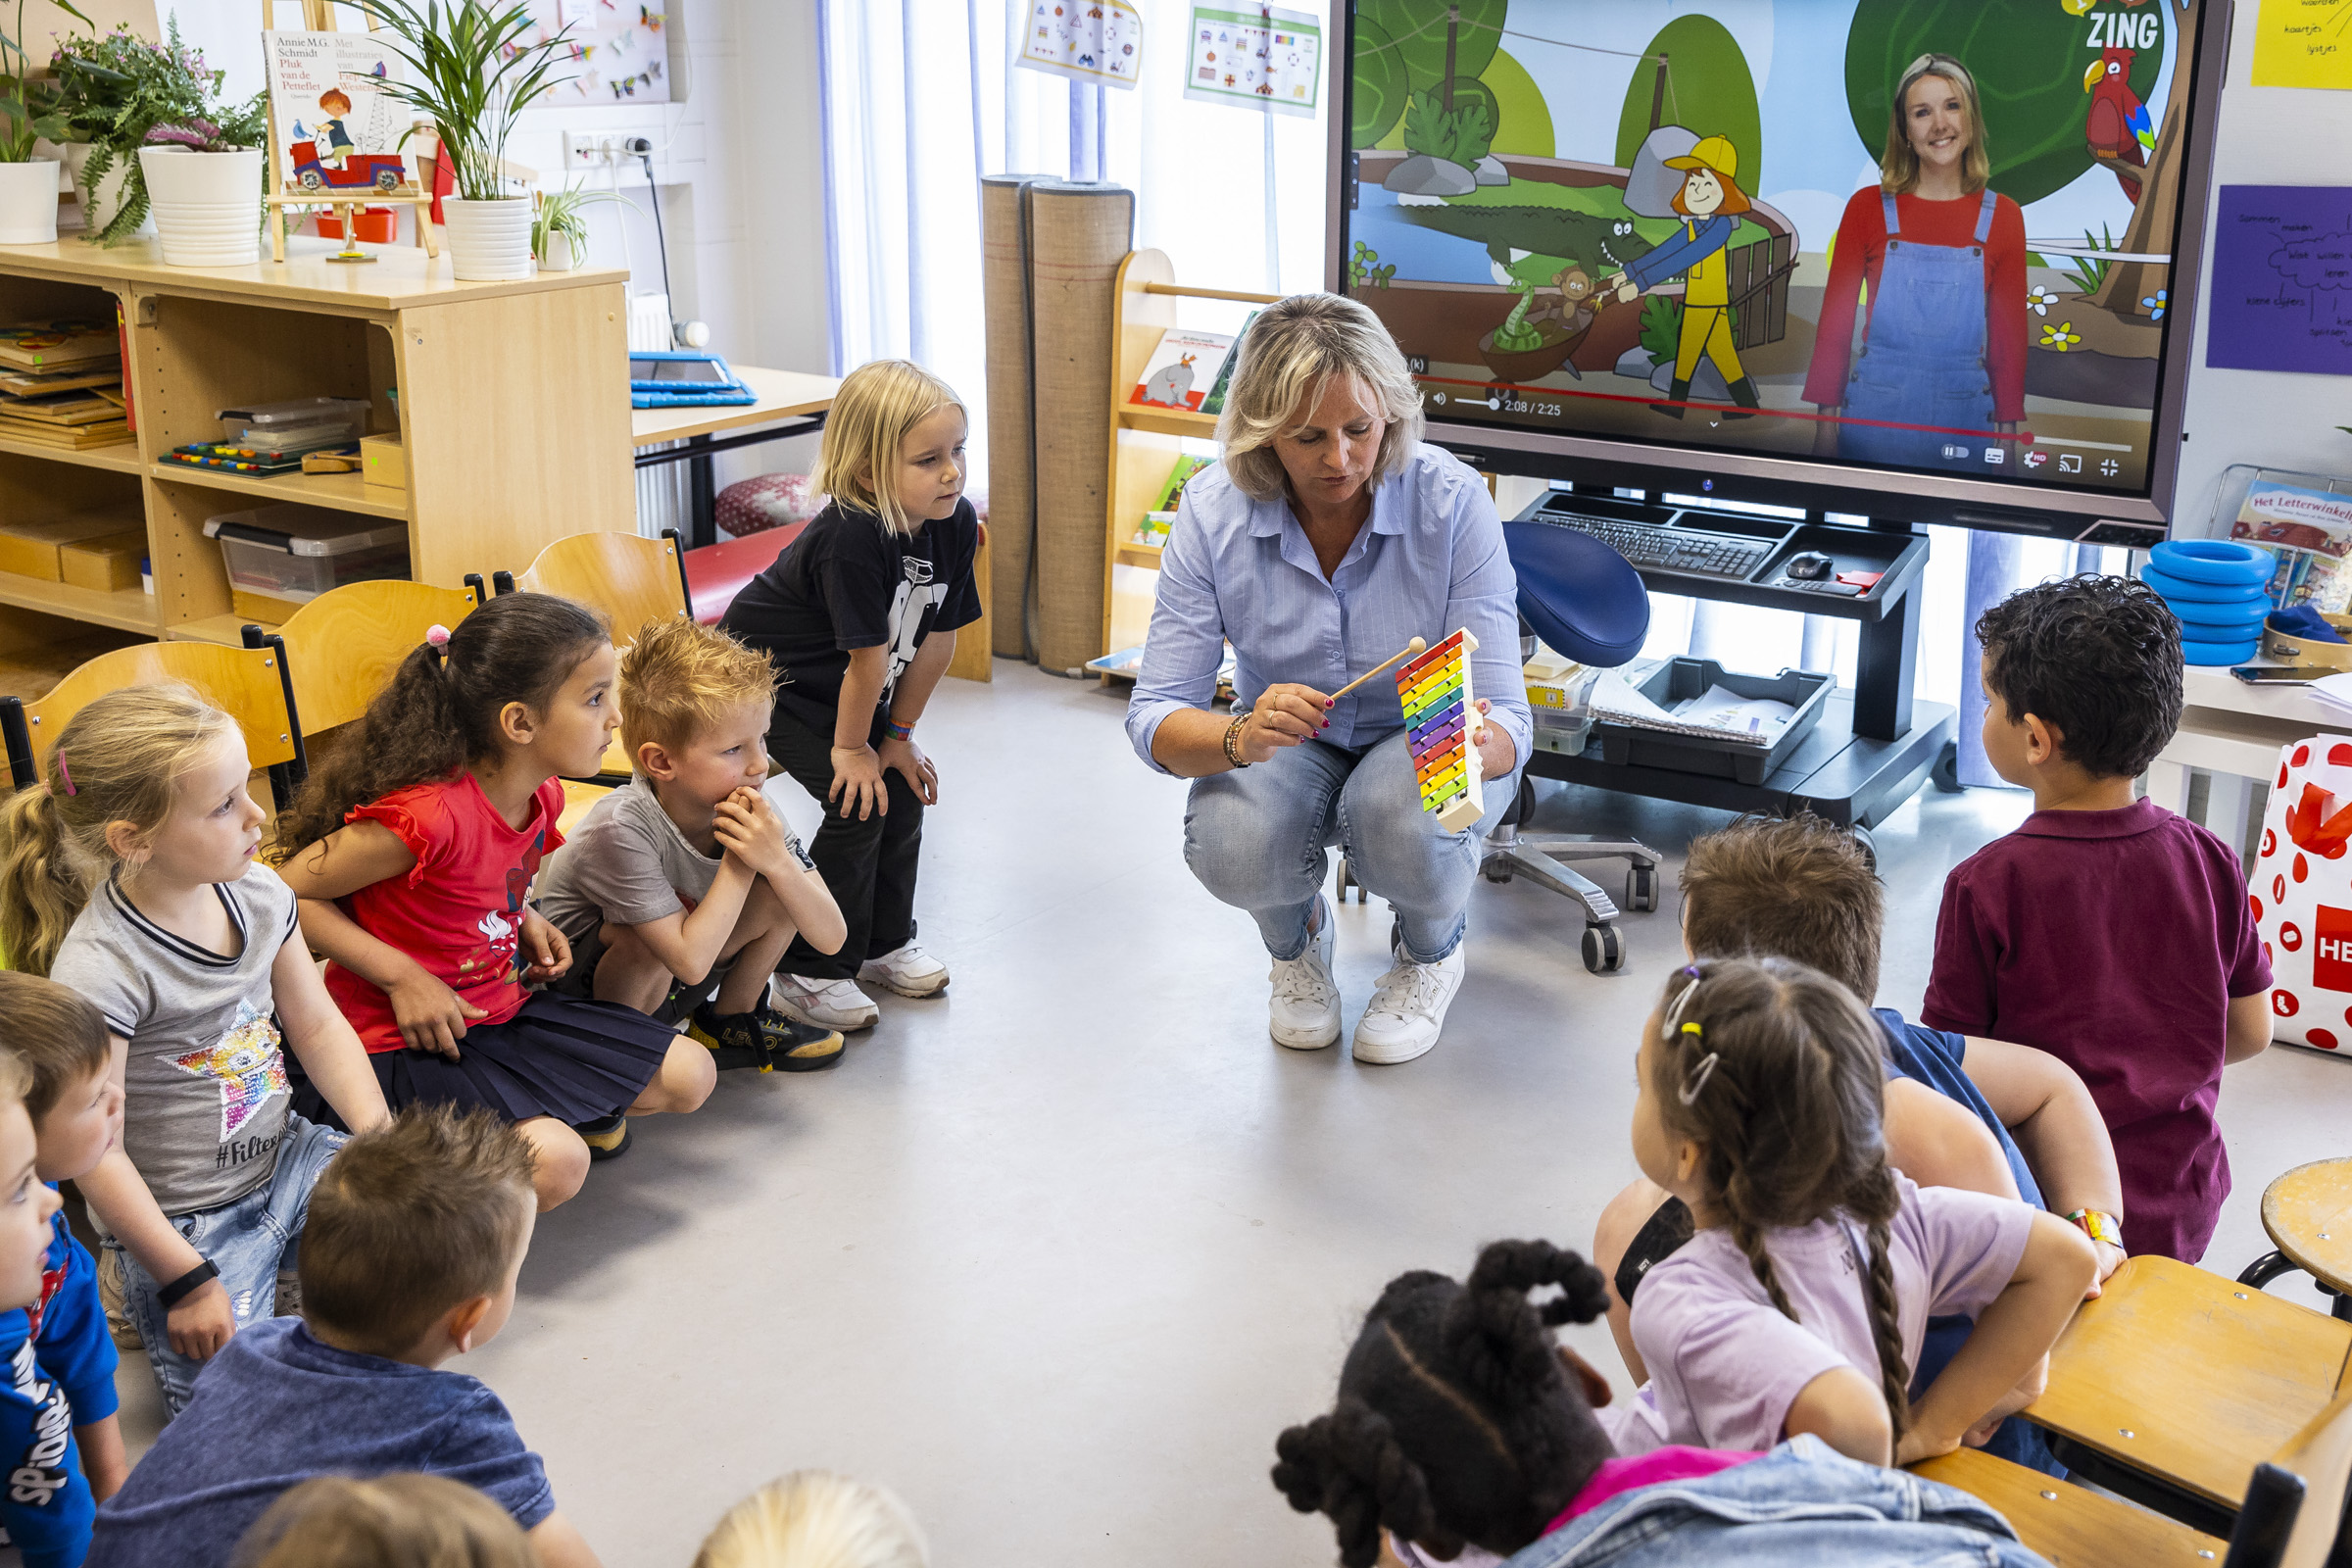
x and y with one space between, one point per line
1802 1300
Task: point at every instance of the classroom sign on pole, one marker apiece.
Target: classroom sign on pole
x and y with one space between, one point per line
1100 41
1257 57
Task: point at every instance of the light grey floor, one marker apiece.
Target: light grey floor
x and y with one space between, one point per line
1057 1254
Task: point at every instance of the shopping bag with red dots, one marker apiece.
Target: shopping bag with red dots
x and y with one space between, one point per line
2301 893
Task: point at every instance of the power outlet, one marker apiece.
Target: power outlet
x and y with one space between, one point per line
581 151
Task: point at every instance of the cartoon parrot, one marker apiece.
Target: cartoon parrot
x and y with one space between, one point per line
2119 127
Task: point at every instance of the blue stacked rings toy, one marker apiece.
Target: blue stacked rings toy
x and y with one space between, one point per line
2197 652
2221 562
2179 590
2220 592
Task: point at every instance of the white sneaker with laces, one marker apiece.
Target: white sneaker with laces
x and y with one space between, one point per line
1408 1009
1304 1013
907 970
825 1003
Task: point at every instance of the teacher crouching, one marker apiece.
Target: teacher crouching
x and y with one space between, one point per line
1327 538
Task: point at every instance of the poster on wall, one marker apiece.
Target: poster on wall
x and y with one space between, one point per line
331 123
2304 43
616 50
1099 43
2283 280
1259 57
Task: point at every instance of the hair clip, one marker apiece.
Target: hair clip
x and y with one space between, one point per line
437 636
63 774
1674 1014
1699 1075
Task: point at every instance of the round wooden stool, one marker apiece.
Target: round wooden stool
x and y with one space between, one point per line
2308 1213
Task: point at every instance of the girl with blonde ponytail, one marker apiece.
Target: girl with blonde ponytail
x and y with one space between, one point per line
130 874
1801 1303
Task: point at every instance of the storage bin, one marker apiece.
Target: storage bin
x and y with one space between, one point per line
1677 681
281 556
295 425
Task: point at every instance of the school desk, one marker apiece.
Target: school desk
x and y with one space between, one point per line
791 403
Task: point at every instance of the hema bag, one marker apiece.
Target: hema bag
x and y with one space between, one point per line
2301 893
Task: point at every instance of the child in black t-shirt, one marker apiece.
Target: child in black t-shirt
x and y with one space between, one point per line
859 616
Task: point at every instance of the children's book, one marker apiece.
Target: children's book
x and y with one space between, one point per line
332 124
1182 370
1178 476
55 345
1215 403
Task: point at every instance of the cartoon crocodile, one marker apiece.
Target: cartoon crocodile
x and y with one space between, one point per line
1602 245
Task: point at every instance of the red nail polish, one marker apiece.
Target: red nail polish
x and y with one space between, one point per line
1331 701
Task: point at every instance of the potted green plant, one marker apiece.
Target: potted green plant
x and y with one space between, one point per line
118 87
28 115
204 183
470 72
560 230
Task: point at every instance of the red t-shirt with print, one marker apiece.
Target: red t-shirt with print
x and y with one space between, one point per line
459 912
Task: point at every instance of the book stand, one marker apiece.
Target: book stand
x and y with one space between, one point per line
316 191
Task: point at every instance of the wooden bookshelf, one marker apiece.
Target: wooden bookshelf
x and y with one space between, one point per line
511 398
1145 443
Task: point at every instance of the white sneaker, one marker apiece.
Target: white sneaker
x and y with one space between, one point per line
1304 1013
907 970
1408 1009
825 1003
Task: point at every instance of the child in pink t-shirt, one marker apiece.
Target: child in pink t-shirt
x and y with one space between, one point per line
1801 1303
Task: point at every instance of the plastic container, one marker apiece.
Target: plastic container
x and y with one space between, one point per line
1559 696
297 424
1679 680
280 557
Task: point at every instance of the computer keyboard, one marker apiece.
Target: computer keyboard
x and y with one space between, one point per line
1686 549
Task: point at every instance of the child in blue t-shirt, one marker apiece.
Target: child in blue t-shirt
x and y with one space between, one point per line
416 1231
61 1448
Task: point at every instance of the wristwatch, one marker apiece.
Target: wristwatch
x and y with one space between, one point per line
2098 1226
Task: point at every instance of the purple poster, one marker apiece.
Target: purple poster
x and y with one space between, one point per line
2283 280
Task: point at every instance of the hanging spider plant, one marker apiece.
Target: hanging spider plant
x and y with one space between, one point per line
470 73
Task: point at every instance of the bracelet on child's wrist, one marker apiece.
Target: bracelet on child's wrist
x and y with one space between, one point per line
180 1289
896 731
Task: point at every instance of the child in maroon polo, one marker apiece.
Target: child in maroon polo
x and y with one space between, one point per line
2106 930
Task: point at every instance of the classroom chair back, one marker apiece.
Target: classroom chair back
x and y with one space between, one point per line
342 646
625 577
249 684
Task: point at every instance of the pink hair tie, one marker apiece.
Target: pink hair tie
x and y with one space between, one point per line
62 773
437 636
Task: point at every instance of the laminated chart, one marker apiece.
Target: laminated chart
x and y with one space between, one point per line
1441 723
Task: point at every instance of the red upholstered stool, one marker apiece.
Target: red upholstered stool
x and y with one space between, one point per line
770 501
716 573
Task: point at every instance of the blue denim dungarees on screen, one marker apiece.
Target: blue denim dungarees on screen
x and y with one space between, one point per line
1922 358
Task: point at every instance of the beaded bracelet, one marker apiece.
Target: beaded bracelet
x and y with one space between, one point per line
1232 733
896 731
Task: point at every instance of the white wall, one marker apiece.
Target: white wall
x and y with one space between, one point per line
2269 136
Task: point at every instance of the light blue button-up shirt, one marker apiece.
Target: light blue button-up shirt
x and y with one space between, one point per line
1431 561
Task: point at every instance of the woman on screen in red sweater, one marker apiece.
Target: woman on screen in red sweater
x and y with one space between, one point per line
1939 375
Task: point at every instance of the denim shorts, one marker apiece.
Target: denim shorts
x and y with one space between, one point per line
248 1239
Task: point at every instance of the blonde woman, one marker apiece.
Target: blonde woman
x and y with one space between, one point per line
1327 538
1939 377
860 616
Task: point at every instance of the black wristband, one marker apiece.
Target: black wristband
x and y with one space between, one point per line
181 1288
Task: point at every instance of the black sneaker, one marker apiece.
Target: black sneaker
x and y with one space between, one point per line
767 1040
607 1138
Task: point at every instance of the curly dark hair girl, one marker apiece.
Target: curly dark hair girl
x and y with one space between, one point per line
1456 1419
1779 1075
439 711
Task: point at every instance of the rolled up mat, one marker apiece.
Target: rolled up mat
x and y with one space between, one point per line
2171 588
2214 560
1012 407
1078 235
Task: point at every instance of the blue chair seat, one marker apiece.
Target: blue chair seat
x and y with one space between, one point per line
1585 600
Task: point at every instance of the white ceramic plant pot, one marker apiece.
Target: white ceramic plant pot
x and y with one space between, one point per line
559 256
489 240
28 202
99 206
208 206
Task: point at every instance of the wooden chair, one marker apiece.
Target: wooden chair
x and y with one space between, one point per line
2307 1214
2293 1512
342 646
2177 1384
250 684
626 578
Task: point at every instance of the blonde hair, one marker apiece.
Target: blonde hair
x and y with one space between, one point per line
1286 357
815 1519
1899 168
394 1521
877 405
116 760
678 675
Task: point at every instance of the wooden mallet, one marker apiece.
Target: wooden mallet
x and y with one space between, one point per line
1418 645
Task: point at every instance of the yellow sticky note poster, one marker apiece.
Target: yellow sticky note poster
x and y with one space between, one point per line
2304 43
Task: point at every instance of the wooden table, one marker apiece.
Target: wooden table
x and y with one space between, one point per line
2232 731
791 403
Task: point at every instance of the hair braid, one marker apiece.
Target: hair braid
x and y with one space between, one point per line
1886 1330
1348 1465
1750 1239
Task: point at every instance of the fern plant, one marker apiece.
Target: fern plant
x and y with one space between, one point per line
120 89
470 73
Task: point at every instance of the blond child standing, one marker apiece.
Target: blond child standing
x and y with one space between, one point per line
859 613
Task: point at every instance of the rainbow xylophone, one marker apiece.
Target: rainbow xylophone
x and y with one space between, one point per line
1441 721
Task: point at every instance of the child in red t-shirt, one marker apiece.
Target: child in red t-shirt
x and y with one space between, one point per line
2105 930
413 851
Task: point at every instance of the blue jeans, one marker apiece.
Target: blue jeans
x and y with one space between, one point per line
248 1240
1256 839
